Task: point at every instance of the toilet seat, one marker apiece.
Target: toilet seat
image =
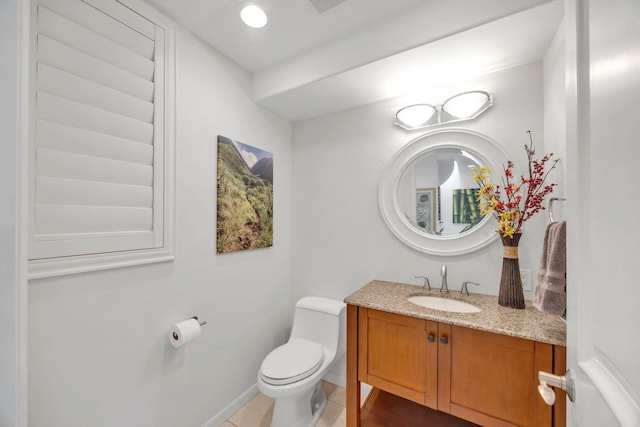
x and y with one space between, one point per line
292 362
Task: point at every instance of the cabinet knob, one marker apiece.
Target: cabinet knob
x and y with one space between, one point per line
431 338
444 340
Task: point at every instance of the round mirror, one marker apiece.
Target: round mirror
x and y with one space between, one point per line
436 192
428 197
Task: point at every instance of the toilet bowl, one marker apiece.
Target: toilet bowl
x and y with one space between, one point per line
291 373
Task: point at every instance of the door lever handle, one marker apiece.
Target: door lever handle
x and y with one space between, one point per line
564 382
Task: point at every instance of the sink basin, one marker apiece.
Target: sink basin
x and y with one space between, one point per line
443 304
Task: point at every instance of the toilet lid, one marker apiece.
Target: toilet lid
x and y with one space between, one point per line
291 362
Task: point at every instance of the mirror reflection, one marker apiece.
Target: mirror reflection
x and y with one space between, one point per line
437 194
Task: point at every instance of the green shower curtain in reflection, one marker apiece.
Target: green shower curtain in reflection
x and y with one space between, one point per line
465 206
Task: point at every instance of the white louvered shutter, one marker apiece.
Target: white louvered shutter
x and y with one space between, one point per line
99 132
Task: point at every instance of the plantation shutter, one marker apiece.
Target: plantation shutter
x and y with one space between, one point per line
98 159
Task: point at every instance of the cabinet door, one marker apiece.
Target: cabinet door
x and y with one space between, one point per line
396 354
487 378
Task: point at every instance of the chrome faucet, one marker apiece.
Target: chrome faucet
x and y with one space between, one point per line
427 285
443 272
464 289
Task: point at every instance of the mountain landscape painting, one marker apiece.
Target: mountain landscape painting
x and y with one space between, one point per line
244 196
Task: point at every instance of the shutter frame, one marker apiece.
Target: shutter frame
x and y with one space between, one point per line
148 236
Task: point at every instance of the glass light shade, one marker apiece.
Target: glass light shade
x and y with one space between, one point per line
468 104
414 116
253 16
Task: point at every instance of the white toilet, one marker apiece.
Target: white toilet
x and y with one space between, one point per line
291 373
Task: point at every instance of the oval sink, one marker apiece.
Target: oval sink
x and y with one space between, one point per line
443 304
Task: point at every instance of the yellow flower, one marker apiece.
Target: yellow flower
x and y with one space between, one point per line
507 230
481 174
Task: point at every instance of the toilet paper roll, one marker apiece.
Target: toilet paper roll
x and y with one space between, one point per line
184 332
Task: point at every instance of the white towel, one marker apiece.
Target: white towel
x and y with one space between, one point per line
551 295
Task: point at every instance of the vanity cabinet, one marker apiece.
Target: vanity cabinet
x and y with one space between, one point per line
482 377
399 354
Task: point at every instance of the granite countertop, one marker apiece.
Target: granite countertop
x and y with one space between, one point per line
529 323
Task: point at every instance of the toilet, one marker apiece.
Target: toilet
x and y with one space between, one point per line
291 373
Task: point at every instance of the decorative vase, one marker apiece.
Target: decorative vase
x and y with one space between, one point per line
511 294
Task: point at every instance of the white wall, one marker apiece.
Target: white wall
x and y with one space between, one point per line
340 241
555 114
11 350
99 351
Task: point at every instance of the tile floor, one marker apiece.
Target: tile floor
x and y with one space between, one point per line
257 413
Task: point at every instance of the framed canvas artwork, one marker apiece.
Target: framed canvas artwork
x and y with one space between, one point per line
426 209
466 206
244 215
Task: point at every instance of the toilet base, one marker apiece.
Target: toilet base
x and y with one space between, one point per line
303 410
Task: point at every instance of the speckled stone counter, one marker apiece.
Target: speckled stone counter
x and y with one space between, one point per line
529 323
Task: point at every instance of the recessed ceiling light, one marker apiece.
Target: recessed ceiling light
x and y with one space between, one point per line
253 16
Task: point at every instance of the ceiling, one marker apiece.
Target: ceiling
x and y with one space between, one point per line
306 64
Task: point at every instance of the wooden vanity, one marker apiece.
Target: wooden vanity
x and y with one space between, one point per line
479 367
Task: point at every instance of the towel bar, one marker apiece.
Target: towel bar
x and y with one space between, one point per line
550 206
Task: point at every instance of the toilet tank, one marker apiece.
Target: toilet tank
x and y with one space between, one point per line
319 320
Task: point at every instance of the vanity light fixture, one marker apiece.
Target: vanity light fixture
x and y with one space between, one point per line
463 106
253 16
415 116
467 105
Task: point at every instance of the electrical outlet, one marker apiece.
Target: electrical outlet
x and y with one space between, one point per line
525 275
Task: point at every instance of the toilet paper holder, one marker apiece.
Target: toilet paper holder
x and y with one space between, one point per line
200 322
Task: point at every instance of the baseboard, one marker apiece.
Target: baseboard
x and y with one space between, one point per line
233 407
335 378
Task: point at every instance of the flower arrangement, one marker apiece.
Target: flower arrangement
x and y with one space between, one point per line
512 203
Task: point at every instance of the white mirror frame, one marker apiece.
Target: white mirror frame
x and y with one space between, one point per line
481 235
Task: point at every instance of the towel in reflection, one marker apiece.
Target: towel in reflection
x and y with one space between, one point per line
551 295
